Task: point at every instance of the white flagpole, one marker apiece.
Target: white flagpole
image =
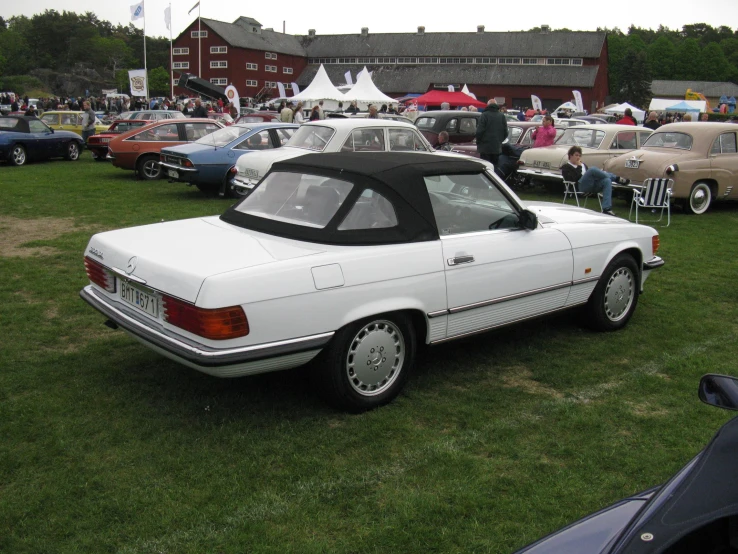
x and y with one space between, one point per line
171 52
199 41
145 66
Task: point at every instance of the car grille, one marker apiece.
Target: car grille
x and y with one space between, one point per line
174 160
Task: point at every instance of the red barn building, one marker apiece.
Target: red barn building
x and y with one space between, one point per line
509 65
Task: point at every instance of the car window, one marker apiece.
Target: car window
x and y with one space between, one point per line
643 135
311 137
515 133
468 125
297 198
284 135
371 211
581 136
624 141
724 144
468 204
257 141
162 132
195 131
681 141
364 140
50 118
452 126
402 140
9 123
425 123
221 137
69 119
37 126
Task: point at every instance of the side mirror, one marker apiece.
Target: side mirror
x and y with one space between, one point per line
528 220
719 390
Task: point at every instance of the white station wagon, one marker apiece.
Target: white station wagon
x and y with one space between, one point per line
348 262
368 136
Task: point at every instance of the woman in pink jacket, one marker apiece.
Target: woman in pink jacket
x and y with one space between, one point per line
544 136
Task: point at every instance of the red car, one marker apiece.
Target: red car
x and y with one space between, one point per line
138 149
259 117
98 144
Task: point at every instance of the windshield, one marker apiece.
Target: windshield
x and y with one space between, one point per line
681 141
311 137
297 198
581 136
221 137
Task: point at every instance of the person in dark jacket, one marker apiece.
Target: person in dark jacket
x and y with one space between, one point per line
491 132
199 110
592 180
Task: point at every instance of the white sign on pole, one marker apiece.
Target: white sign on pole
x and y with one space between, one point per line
138 82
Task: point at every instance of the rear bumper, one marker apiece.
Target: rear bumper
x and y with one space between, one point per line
221 362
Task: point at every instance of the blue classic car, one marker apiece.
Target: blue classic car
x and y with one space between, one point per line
25 138
209 163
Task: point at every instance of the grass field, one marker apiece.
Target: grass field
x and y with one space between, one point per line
497 440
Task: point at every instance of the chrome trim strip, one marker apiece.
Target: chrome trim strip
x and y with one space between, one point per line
438 313
511 322
653 263
176 167
123 275
507 298
199 354
585 280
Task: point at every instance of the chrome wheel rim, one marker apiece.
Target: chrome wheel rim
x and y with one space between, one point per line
151 169
375 358
19 155
73 151
619 294
700 199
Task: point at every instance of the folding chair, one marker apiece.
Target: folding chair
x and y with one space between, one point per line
570 189
655 195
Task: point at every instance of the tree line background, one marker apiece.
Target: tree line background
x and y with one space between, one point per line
67 42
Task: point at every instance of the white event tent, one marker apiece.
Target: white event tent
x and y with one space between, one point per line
365 92
638 115
321 88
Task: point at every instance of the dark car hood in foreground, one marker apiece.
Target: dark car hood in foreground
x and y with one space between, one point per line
704 490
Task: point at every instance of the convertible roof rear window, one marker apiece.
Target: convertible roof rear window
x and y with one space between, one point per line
9 123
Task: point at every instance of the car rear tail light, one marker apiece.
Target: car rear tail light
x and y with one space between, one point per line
100 275
521 162
217 324
672 169
655 243
233 170
187 163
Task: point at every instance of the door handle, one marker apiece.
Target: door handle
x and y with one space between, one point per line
466 259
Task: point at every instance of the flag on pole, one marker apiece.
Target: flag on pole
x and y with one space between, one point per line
137 11
233 97
451 88
347 75
138 82
466 91
168 17
578 100
193 7
295 89
536 103
280 88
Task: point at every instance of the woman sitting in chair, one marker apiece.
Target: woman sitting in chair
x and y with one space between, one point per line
592 180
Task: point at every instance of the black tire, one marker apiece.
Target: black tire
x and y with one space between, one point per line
148 168
207 188
18 155
615 297
72 151
366 364
700 198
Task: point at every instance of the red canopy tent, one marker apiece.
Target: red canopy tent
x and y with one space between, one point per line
454 99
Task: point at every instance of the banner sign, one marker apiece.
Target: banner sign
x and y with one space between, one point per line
109 91
578 100
536 103
138 82
232 95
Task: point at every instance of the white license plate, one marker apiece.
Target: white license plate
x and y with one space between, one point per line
144 301
632 164
545 165
252 173
173 174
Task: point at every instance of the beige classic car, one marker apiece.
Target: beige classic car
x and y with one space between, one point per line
701 158
599 143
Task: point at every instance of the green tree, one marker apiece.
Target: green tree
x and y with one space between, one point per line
14 49
662 58
617 47
635 79
714 65
110 53
159 82
689 56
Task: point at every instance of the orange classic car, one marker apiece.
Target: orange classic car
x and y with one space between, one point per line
138 149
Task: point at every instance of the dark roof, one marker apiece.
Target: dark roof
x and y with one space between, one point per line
556 44
239 35
707 88
417 78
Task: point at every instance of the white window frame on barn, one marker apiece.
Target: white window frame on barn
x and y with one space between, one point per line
218 49
252 66
252 83
218 64
219 81
180 52
181 65
203 34
287 70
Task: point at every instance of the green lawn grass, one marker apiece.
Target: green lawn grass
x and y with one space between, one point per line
497 440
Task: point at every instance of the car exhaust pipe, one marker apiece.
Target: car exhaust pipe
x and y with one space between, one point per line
110 323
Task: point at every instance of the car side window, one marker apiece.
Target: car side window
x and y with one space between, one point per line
68 119
405 140
468 125
36 126
257 141
195 131
469 204
452 126
283 135
515 133
643 136
727 143
624 141
364 140
371 211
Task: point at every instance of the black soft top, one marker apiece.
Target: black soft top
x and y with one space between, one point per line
397 176
18 126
